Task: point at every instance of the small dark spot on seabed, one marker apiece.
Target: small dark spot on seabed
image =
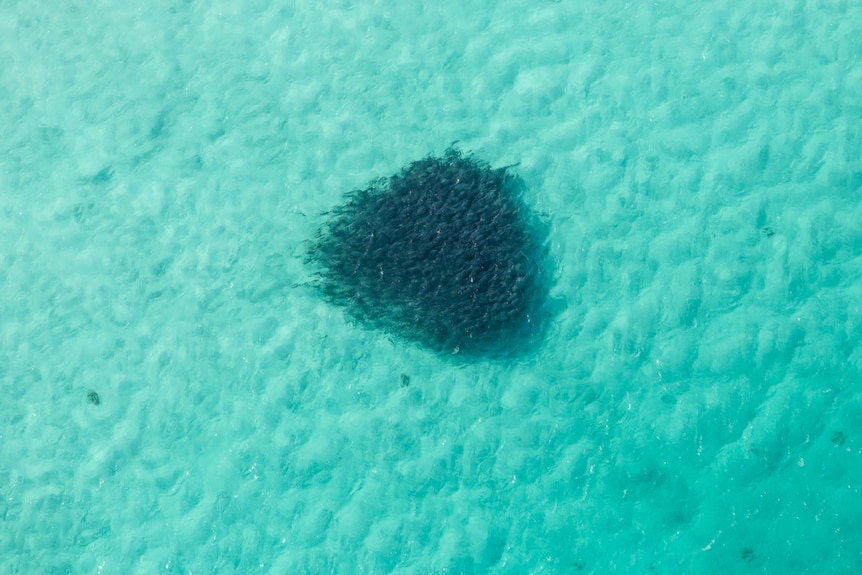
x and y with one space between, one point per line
767 231
102 177
748 554
838 437
93 397
405 380
160 268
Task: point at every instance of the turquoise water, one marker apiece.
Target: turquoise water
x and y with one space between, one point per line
696 406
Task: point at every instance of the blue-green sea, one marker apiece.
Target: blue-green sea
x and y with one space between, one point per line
175 399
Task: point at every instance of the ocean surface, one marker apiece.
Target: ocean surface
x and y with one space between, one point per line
175 399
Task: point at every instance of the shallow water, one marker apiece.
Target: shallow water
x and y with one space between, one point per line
696 404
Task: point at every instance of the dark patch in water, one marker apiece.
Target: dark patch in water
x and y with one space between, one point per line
838 438
444 253
104 176
93 397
